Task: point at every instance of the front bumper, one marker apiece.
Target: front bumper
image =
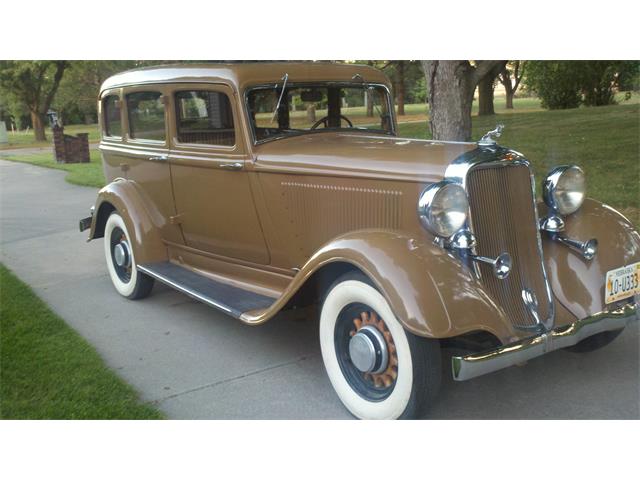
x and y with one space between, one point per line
474 365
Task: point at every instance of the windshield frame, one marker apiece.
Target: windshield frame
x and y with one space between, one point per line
331 83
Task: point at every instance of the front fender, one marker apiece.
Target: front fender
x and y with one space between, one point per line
429 290
579 284
143 223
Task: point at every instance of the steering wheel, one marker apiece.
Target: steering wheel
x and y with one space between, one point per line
324 120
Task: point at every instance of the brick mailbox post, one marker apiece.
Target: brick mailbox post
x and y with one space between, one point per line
70 149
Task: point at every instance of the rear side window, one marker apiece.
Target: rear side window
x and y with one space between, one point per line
204 117
146 116
112 119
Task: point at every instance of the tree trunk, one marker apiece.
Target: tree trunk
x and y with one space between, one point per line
38 126
450 96
509 97
485 91
369 102
311 113
509 91
485 97
400 87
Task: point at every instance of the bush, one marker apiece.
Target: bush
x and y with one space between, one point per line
556 83
567 84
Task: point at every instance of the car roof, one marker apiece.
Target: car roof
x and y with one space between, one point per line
242 75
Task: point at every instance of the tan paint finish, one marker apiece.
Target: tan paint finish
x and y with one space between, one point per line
216 206
307 201
144 223
577 283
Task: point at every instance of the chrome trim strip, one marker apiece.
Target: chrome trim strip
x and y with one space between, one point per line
212 303
477 364
498 156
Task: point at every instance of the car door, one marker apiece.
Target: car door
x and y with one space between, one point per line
137 148
213 196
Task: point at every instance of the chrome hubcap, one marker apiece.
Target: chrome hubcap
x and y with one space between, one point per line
368 350
121 254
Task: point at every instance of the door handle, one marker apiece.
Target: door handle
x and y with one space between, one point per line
231 166
159 158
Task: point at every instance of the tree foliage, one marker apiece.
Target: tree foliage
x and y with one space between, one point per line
556 83
76 100
32 84
567 84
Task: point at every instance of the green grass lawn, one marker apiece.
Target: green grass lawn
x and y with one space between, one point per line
47 371
25 139
604 141
87 174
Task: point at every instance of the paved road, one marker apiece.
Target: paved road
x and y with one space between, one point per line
196 363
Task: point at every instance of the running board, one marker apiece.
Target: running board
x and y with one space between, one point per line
221 296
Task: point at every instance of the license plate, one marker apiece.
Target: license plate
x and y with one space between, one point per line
623 282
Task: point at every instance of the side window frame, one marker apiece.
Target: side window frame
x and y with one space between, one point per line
222 88
103 115
164 97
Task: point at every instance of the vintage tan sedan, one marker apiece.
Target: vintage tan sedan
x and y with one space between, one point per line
259 187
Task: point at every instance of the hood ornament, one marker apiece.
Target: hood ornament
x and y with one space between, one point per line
488 138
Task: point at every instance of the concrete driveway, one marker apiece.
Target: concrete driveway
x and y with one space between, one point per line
196 363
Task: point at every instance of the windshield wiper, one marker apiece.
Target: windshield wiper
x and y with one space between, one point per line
275 112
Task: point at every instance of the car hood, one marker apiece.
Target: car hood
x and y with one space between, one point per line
356 155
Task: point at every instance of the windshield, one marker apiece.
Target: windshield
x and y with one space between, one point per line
318 107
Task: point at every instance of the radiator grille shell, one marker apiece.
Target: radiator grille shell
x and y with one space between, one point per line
503 218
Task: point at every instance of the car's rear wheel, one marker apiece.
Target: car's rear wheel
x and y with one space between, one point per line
595 342
379 370
121 263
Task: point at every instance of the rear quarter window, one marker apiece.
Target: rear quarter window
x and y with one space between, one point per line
112 118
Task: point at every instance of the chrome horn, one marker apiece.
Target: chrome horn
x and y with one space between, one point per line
501 265
587 249
554 225
464 241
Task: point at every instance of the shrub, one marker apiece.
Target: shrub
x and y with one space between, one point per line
567 84
556 83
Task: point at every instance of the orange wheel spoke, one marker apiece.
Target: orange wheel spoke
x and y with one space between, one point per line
389 376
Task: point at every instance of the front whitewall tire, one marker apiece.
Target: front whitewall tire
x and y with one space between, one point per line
341 295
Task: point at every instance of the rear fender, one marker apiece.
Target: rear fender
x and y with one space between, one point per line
142 220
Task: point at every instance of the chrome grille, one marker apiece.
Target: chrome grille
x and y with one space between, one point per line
504 220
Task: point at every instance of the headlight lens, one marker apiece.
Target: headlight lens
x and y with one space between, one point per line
442 208
564 189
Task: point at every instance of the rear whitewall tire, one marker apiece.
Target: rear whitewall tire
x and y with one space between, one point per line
139 285
409 394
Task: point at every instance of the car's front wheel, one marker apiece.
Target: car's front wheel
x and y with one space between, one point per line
595 342
377 368
121 263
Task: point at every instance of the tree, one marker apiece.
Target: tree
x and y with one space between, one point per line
557 83
511 84
567 84
33 83
450 85
486 86
76 100
600 79
400 68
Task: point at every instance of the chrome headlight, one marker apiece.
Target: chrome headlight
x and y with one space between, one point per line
564 189
442 208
